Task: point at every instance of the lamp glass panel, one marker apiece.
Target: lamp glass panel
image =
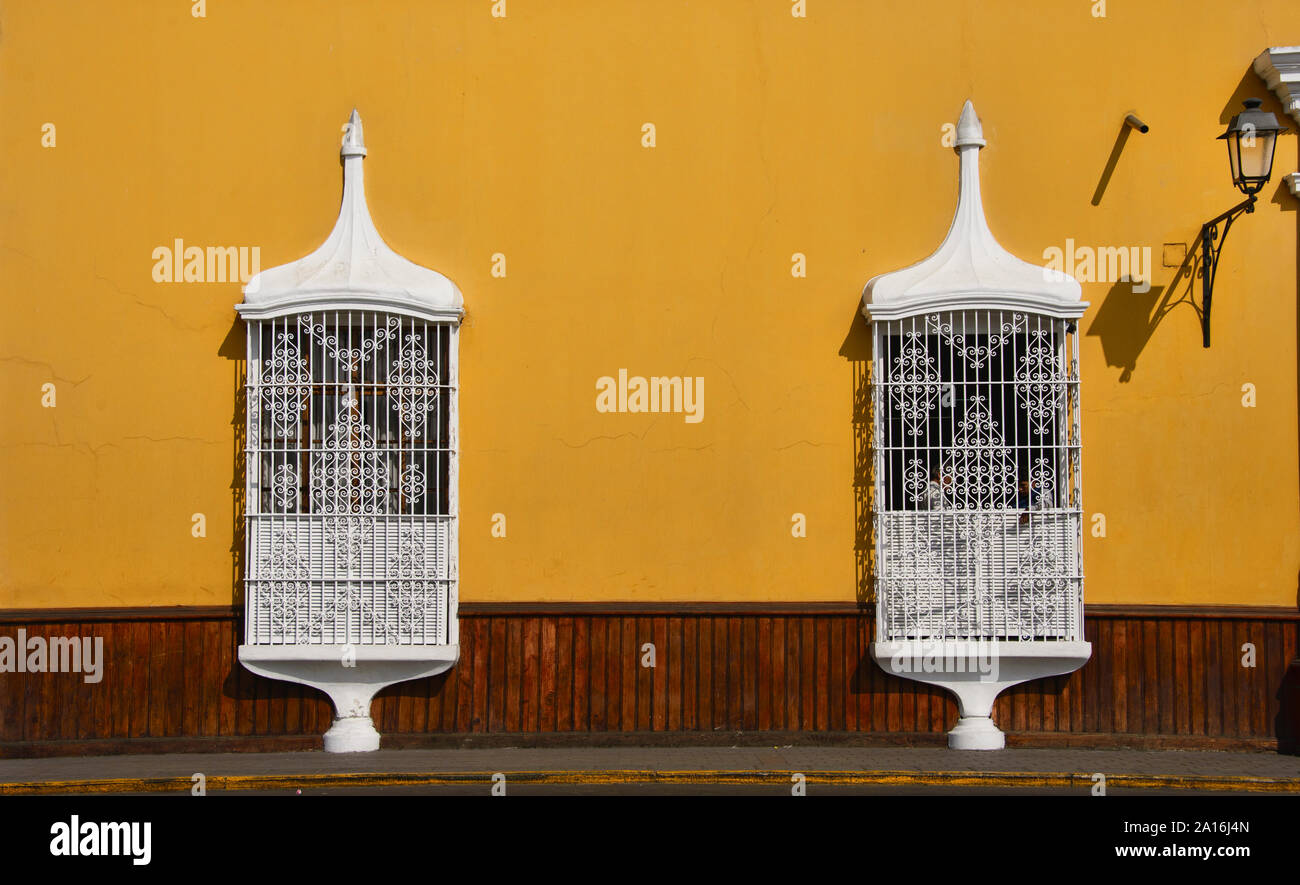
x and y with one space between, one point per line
1234 159
1256 152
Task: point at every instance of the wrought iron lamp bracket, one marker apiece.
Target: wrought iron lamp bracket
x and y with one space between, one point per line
1210 233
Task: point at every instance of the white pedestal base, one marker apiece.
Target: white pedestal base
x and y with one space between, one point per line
976 733
351 676
976 672
355 734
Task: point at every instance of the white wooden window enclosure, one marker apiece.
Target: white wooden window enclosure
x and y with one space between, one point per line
348 470
976 486
977 477
351 467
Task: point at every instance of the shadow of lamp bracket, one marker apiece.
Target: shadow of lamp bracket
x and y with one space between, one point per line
1251 138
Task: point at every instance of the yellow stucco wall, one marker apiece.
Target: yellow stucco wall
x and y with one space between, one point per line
522 135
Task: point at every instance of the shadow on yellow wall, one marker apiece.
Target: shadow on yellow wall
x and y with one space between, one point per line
233 348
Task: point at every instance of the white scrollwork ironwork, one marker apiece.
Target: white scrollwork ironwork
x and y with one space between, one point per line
349 483
349 474
416 587
282 599
348 536
1039 385
915 569
349 359
286 384
1042 483
284 488
915 383
916 483
338 609
412 483
976 354
979 463
412 385
1044 585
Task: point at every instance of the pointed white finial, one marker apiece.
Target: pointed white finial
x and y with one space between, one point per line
969 130
354 144
354 267
970 270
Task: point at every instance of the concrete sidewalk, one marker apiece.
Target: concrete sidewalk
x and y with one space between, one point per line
1056 768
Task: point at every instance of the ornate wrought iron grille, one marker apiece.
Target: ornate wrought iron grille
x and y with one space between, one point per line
977 487
350 497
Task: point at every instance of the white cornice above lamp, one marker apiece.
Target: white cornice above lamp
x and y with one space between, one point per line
354 269
971 271
1279 67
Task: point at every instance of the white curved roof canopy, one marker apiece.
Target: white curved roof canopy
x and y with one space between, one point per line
354 269
970 270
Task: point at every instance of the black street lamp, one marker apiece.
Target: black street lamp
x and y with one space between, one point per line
1251 138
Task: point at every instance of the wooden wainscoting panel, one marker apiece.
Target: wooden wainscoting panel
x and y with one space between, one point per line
1159 676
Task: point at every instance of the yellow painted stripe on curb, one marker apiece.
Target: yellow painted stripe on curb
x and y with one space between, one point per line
597 777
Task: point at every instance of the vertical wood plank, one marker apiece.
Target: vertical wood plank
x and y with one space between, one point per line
481 629
736 665
212 677
835 673
584 676
497 674
777 705
514 673
821 671
692 691
749 659
80 709
564 674
1182 678
546 674
531 682
228 716
614 671
1196 681
763 682
852 658
463 716
807 673
1150 677
158 678
192 677
1167 688
705 694
1119 672
637 686
1276 672
1048 696
664 672
721 670
676 675
794 710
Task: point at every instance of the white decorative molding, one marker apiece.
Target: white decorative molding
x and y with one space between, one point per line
1279 68
354 269
971 270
